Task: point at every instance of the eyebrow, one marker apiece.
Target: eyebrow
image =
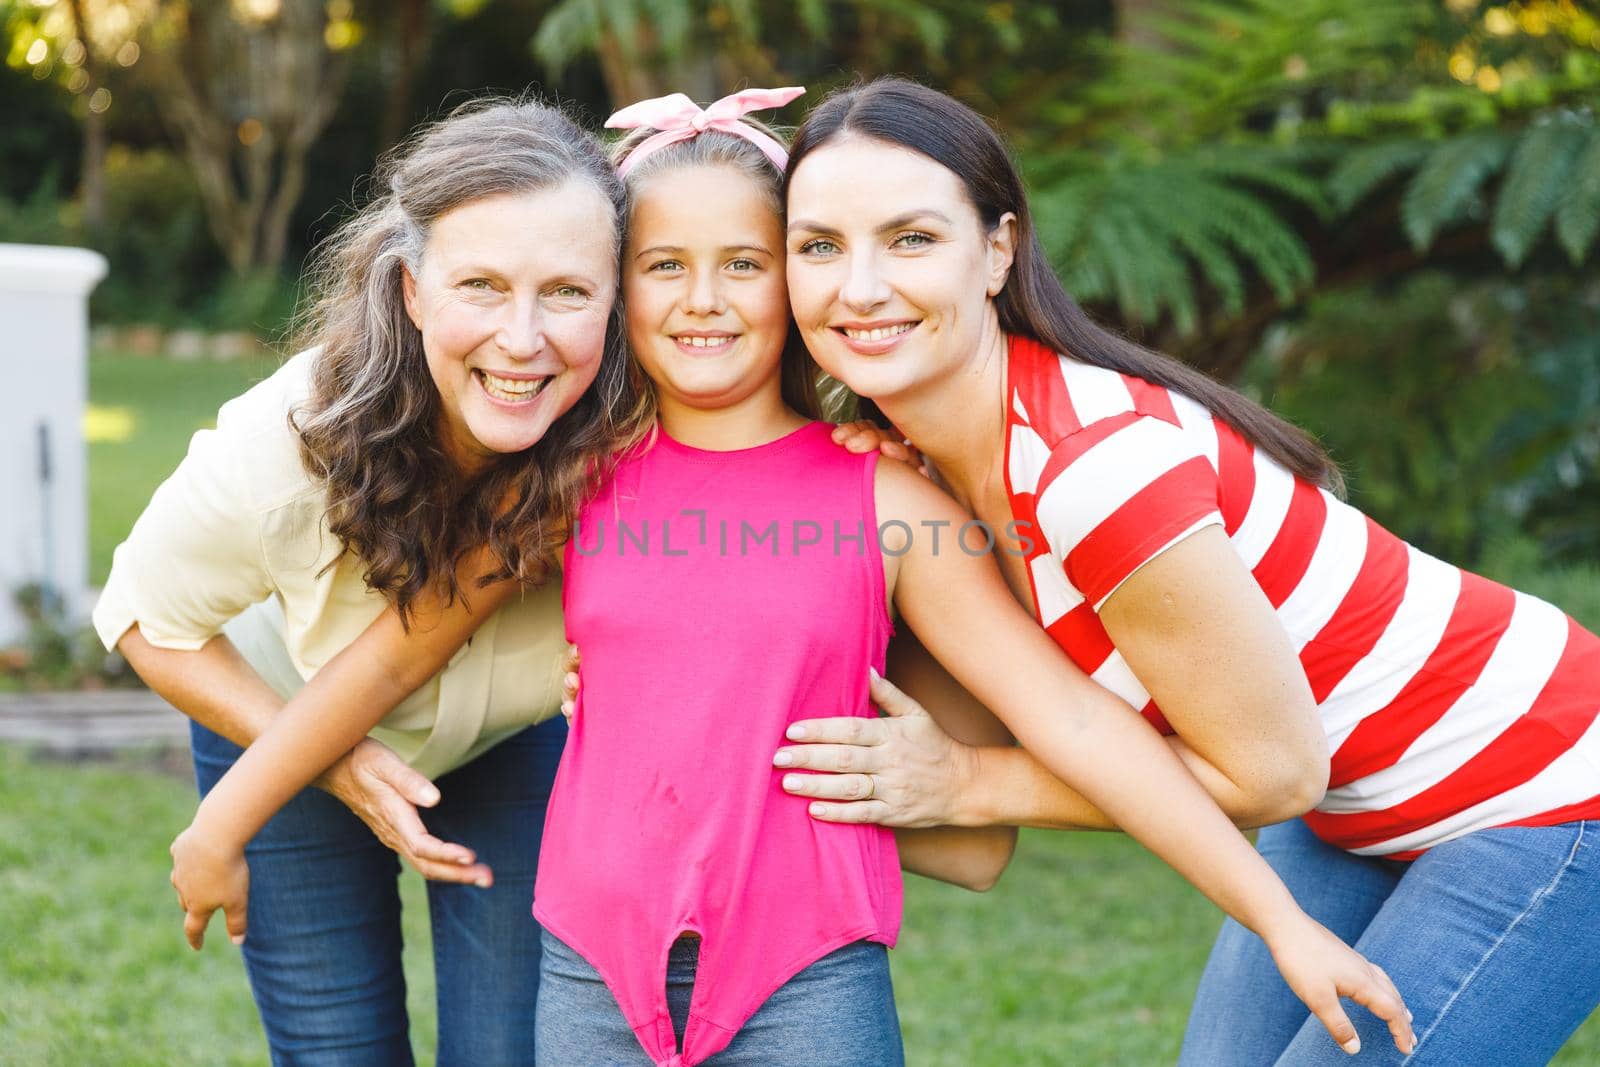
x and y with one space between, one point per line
677 250
904 219
469 270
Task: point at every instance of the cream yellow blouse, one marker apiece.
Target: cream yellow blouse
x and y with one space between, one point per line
237 537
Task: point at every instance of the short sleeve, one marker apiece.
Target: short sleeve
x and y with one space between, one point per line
194 558
1119 492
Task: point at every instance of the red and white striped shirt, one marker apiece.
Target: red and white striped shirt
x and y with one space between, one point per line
1451 703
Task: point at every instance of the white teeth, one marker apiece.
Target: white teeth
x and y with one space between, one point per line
878 333
512 389
706 342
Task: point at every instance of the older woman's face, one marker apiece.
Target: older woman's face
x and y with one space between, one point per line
890 269
512 298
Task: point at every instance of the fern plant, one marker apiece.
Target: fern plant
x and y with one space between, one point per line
1549 180
1156 238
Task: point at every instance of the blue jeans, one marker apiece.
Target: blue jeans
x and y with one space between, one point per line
1493 939
838 1012
323 949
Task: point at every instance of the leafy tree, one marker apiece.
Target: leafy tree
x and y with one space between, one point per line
79 42
1237 156
706 48
1463 413
248 89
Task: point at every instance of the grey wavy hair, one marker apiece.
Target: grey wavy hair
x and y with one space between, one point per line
370 428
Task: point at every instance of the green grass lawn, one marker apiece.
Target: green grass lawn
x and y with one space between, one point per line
143 412
1087 952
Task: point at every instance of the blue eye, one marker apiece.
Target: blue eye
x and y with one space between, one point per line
744 265
913 240
818 246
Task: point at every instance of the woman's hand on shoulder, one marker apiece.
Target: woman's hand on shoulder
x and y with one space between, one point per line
385 793
861 437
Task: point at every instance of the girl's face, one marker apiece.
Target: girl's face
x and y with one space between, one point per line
703 284
891 271
512 298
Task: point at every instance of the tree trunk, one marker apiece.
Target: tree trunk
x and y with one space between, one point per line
413 35
92 187
247 104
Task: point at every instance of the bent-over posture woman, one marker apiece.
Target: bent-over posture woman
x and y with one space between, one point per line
1189 550
355 478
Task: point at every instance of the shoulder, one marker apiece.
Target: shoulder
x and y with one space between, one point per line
254 441
904 494
1054 396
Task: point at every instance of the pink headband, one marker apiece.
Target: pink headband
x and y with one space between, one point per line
677 118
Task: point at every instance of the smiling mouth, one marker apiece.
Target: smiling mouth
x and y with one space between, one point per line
877 333
510 390
719 343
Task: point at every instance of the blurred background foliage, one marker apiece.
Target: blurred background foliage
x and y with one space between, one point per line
1379 216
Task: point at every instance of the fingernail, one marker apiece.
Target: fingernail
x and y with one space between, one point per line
1352 1046
482 883
791 781
782 759
238 939
816 809
874 672
795 732
463 860
1409 1016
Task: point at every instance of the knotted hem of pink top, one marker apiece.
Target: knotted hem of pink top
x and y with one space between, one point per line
667 1038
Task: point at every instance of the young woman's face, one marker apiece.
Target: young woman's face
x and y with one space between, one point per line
890 268
512 298
703 284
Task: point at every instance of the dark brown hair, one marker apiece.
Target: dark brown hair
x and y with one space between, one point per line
1033 303
798 373
370 428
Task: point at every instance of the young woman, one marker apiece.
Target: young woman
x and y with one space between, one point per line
319 501
1187 549
760 590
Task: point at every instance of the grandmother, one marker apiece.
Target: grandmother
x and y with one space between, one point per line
462 378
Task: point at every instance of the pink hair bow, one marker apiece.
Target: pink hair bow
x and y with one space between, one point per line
677 118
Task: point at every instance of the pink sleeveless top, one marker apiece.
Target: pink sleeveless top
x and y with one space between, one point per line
716 598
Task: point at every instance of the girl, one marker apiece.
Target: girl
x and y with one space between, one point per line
1189 553
729 577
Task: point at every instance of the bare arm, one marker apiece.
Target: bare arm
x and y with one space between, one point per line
970 857
344 700
1201 636
1197 631
219 689
1096 743
213 685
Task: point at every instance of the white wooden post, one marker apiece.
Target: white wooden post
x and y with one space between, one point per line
44 344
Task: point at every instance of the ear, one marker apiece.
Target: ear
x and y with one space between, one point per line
1002 252
408 291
